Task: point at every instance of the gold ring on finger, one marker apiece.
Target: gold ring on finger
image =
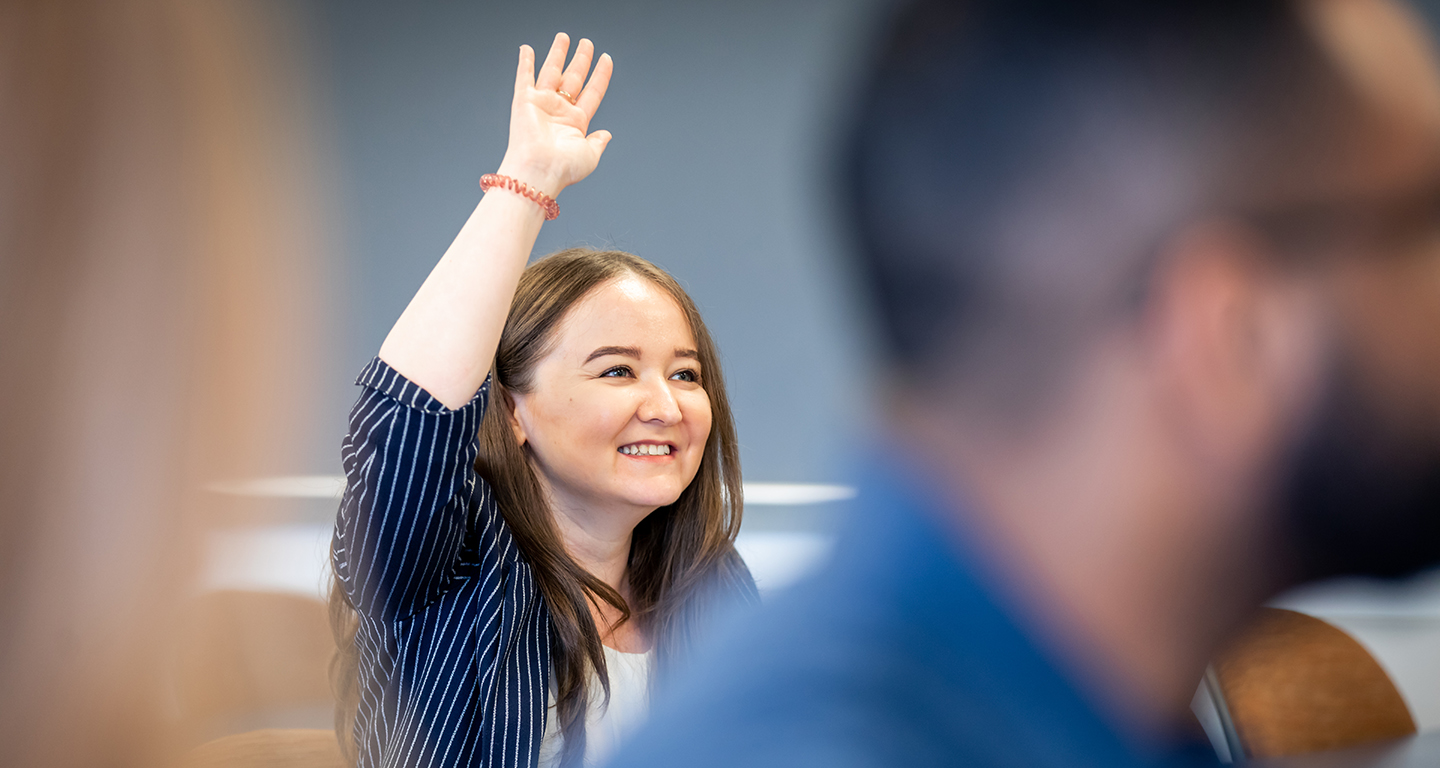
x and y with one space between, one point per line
567 96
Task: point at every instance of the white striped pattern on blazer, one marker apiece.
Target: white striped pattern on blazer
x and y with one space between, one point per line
454 639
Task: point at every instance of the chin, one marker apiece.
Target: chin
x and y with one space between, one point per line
656 498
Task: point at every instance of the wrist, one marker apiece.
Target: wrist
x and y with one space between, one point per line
538 179
547 203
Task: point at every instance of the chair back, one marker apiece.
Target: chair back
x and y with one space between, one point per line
1291 683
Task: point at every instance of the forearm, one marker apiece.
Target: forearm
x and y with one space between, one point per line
446 338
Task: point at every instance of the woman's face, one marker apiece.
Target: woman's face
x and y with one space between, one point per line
616 416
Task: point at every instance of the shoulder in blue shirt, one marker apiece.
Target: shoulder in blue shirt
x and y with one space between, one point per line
893 654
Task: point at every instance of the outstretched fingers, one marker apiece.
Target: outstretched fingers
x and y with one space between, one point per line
574 77
594 93
551 70
525 71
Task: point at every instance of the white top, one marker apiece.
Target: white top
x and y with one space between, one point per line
605 726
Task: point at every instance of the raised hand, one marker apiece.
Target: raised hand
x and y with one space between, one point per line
445 339
550 148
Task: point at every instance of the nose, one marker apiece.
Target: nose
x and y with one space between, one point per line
658 404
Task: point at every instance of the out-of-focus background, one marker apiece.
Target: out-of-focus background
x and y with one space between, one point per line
722 115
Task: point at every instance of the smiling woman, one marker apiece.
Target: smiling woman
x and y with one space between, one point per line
618 429
542 479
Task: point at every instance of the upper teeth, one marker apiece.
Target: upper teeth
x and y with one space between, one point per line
646 449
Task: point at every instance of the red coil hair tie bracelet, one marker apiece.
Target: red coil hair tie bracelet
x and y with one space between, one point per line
546 202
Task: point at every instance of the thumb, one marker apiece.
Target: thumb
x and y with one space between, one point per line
599 140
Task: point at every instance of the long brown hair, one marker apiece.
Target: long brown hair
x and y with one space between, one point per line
682 557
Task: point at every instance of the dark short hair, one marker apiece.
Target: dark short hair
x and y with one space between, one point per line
1013 165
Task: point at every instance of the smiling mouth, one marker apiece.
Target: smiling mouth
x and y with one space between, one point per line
646 449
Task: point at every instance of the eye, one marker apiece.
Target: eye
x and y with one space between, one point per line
686 375
618 371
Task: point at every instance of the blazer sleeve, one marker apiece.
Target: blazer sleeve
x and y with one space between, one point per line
410 479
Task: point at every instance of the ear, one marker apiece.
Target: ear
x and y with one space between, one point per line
1237 341
512 411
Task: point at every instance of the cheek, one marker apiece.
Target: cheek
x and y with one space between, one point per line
1394 309
571 420
699 418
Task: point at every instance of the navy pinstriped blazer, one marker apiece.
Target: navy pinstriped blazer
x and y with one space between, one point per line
454 639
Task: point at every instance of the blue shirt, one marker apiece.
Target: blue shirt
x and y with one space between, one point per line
894 654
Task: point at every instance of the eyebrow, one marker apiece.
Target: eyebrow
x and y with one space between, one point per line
635 353
623 351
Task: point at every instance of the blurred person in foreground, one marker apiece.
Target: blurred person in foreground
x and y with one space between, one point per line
155 249
1160 285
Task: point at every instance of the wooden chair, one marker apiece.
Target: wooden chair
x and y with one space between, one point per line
1292 683
269 748
252 660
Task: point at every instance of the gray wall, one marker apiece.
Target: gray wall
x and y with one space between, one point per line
721 113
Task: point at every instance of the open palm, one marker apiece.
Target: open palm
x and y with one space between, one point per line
549 144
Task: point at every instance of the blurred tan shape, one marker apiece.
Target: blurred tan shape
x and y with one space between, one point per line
242 654
1295 684
270 748
157 256
1382 48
